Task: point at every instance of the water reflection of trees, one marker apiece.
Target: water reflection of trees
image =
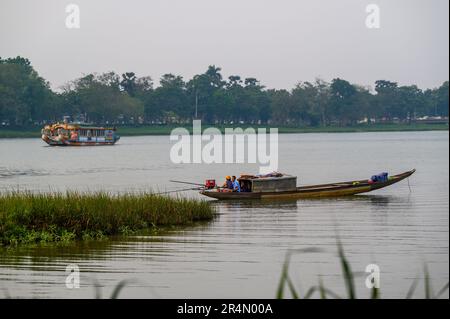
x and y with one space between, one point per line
55 256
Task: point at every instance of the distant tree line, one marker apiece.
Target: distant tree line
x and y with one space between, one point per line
27 99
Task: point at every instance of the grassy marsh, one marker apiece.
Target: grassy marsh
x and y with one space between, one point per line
27 217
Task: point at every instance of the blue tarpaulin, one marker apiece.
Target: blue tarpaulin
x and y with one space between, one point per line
382 177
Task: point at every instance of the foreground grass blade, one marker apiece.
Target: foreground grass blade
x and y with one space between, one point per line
442 291
97 287
347 272
285 278
428 288
331 293
119 287
412 288
323 294
310 292
292 288
375 293
280 290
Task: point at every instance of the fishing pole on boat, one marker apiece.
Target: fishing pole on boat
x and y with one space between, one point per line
190 183
179 190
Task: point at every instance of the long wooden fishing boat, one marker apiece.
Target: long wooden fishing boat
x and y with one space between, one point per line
285 187
77 135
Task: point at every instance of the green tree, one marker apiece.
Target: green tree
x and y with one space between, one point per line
280 103
441 100
25 97
343 101
170 102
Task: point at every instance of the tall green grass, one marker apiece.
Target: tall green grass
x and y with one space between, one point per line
348 280
27 217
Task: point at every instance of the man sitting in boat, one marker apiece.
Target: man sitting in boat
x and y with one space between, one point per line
228 185
236 185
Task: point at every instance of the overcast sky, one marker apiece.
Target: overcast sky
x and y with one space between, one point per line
280 42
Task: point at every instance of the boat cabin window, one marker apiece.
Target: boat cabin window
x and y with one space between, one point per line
246 185
91 132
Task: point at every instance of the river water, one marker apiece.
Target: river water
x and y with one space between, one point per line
240 254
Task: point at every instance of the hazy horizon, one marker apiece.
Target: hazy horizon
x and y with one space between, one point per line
278 42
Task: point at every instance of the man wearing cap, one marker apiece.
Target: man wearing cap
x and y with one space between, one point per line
228 185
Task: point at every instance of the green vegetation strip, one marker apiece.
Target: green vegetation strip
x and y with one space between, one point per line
40 218
26 98
166 129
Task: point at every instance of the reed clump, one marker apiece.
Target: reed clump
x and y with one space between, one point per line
27 217
348 279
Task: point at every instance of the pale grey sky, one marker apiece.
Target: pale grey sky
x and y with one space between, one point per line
280 42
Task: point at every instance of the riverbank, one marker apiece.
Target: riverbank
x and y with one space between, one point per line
27 218
34 132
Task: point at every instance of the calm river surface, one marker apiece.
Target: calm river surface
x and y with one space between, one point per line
241 252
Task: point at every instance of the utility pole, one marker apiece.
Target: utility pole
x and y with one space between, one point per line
196 103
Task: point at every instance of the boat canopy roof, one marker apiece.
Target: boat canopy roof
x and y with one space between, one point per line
70 126
270 175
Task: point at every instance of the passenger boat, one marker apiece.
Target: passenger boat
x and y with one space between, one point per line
77 135
285 187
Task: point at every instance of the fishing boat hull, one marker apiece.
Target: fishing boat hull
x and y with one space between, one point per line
313 191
